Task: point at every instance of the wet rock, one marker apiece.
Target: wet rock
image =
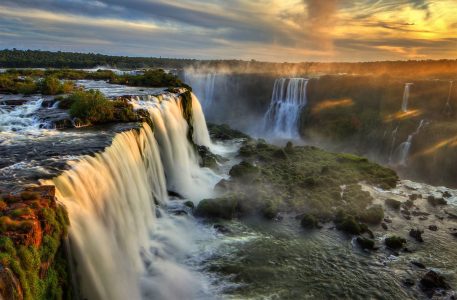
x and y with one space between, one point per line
384 226
221 228
418 264
365 243
446 194
423 218
432 200
224 208
387 220
189 204
175 194
395 242
179 212
431 282
207 158
416 234
433 228
373 215
394 204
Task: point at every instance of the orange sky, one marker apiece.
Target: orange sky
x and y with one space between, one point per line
269 30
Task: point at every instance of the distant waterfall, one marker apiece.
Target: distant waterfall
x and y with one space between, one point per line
406 92
111 200
203 85
287 101
405 147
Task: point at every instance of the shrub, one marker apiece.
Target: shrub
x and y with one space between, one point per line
91 106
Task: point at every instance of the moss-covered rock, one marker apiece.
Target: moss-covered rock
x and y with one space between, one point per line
223 208
243 169
394 204
395 242
365 243
309 221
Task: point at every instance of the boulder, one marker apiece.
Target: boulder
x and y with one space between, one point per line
416 234
395 242
432 281
436 201
223 208
418 264
394 204
243 169
365 243
433 228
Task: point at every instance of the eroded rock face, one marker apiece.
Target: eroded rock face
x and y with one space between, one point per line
10 287
32 227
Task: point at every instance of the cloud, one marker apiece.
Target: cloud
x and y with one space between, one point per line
272 30
322 17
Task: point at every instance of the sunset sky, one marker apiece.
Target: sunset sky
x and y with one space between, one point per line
267 30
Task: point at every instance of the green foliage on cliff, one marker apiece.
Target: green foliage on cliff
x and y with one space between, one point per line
41 270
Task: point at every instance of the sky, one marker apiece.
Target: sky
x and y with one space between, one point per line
265 30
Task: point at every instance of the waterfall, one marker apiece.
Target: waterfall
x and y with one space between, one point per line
203 85
121 248
404 105
287 100
405 147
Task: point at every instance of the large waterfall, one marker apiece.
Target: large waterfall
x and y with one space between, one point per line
124 245
287 101
203 85
404 104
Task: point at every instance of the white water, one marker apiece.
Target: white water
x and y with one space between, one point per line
122 250
287 101
406 92
21 117
405 147
203 85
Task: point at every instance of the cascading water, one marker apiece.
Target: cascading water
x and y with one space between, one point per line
287 101
405 147
406 92
22 117
203 85
122 250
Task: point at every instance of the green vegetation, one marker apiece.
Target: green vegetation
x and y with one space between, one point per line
325 185
45 59
153 78
92 107
15 83
30 246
